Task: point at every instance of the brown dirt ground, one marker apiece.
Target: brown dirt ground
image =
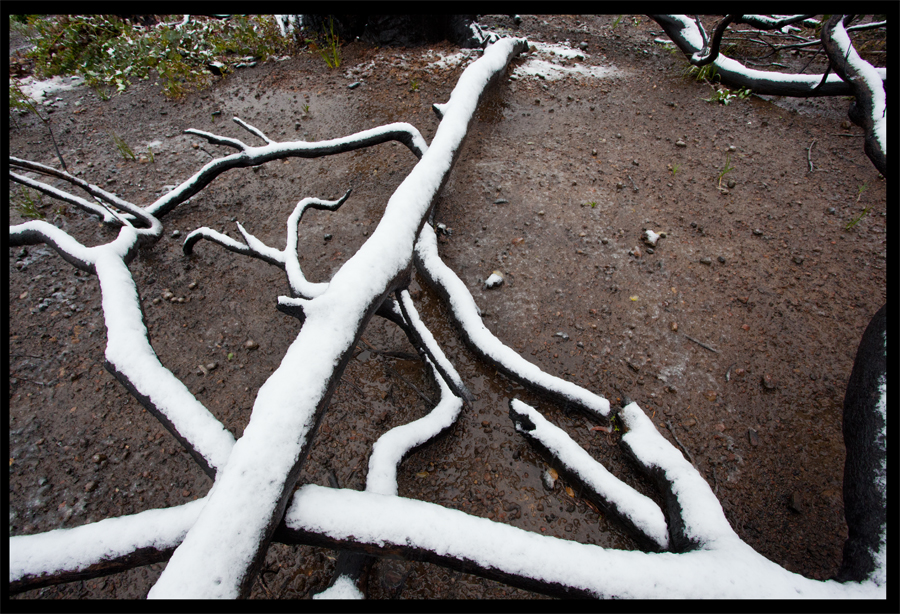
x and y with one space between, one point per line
786 296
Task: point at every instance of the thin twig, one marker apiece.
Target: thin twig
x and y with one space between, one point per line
680 445
809 155
408 383
701 344
633 184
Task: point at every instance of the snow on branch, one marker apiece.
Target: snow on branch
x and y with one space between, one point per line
685 33
396 526
392 447
467 317
102 547
254 156
286 258
251 492
870 109
637 512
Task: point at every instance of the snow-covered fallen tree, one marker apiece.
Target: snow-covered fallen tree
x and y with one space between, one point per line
215 545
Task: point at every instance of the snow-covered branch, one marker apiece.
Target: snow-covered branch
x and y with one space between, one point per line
254 156
637 512
870 109
467 317
387 525
286 258
266 461
685 33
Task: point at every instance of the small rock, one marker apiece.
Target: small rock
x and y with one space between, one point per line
328 237
494 280
353 86
720 427
705 260
561 335
185 493
90 486
212 365
620 185
582 45
176 233
731 183
636 251
251 344
831 211
675 327
798 259
795 503
98 458
594 152
203 370
754 438
721 259
768 382
549 478
500 201
650 237
192 285
167 295
757 232
680 143
845 125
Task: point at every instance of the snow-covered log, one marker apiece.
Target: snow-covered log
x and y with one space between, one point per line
865 468
250 494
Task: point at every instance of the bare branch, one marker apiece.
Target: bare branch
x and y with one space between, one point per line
710 51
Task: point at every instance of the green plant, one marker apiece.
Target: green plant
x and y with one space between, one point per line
331 50
593 204
122 146
108 50
725 169
414 86
27 207
616 22
674 168
150 152
725 96
306 109
865 211
701 73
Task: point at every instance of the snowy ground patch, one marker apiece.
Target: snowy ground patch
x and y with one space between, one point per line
37 90
554 62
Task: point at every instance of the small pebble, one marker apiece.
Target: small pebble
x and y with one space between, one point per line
705 260
680 143
721 259
251 344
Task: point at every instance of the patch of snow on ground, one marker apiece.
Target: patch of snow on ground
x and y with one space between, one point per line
37 90
450 61
554 62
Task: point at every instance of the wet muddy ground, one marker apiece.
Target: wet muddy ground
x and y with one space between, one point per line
736 333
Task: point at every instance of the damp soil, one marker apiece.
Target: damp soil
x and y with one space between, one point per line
736 334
